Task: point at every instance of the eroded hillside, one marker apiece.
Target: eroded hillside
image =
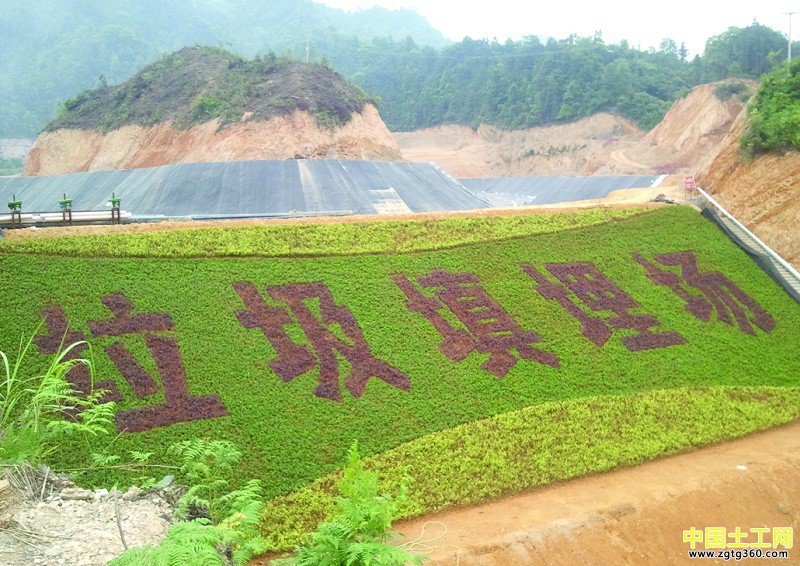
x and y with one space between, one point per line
364 136
204 104
763 193
686 141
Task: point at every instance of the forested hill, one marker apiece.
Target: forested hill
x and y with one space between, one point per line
54 49
529 83
200 84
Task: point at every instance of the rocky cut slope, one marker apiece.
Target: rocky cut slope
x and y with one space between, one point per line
204 104
685 141
763 193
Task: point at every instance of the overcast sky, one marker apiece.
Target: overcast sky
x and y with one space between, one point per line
641 22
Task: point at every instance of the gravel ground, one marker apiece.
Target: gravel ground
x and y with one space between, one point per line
77 527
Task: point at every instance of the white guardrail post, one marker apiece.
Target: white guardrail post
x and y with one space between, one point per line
769 251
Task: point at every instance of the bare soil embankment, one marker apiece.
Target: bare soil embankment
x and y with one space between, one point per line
686 141
365 136
630 516
762 193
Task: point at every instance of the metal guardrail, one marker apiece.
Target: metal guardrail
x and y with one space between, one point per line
769 251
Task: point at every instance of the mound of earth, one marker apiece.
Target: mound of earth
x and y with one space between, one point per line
687 140
202 104
567 149
763 193
692 133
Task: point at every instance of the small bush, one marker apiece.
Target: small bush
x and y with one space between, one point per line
220 526
359 532
727 90
33 408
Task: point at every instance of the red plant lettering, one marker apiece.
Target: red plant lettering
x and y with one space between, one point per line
598 293
295 360
718 293
489 328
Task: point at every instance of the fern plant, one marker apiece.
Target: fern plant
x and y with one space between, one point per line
32 406
359 532
219 526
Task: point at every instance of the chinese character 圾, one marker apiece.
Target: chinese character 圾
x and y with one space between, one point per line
489 328
717 293
178 407
294 360
598 293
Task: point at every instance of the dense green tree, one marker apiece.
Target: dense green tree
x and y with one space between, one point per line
742 52
774 114
54 49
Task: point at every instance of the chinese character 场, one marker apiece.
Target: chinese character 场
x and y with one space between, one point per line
598 293
489 328
294 360
178 407
718 293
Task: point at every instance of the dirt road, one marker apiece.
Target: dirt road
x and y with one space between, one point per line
630 516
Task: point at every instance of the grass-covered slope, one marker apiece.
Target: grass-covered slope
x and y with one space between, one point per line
542 444
296 240
200 84
292 437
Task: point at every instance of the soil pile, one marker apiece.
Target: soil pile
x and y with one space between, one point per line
694 130
763 193
205 104
568 149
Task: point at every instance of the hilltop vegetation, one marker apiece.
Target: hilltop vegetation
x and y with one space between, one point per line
521 84
199 84
55 50
774 114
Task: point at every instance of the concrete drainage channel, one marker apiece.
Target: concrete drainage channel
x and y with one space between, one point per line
775 266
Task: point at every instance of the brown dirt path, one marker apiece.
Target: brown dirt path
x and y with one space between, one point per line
630 516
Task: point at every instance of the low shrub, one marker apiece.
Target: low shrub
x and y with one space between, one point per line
538 445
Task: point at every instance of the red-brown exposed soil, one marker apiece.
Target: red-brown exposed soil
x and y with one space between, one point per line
764 193
686 141
365 136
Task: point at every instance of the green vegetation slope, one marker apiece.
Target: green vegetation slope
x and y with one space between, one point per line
292 358
199 84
